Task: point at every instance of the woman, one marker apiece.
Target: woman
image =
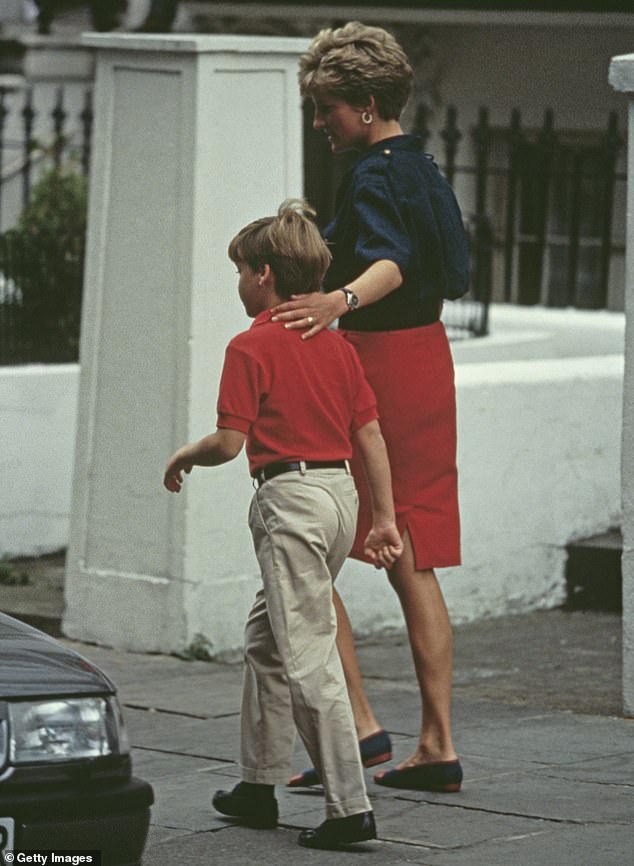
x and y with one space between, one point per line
398 248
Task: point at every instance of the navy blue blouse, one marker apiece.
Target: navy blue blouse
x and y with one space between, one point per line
394 204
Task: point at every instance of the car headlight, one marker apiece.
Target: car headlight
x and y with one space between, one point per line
65 729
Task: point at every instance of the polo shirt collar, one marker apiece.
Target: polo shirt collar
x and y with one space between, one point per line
261 318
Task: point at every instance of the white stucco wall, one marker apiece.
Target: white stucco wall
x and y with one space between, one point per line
38 416
182 160
539 452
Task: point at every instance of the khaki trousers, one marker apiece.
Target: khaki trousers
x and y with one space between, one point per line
302 527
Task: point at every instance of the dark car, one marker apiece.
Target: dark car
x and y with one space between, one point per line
65 771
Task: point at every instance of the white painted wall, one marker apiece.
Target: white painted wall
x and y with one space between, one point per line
539 451
38 417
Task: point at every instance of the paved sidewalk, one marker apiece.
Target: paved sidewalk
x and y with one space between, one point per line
548 760
549 765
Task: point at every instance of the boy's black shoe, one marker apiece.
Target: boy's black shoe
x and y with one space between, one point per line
340 831
256 809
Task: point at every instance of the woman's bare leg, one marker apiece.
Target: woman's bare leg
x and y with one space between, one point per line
364 719
431 642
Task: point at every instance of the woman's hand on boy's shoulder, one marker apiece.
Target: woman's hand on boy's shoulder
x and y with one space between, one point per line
314 311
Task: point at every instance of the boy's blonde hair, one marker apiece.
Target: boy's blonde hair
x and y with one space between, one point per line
289 243
355 62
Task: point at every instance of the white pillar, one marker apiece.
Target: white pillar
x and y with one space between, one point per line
194 137
622 78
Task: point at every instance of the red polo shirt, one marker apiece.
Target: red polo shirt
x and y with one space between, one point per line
295 399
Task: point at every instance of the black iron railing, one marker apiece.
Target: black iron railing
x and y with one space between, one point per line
554 190
32 139
42 254
40 299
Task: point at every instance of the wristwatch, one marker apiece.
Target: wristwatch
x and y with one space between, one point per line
351 299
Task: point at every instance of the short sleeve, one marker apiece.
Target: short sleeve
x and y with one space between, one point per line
241 388
382 234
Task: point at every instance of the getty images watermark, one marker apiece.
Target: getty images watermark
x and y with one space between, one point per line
48 858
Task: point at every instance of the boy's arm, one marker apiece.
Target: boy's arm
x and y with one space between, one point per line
212 450
383 544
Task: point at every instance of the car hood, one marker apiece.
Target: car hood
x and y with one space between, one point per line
32 665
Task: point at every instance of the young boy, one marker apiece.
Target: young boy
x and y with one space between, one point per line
296 403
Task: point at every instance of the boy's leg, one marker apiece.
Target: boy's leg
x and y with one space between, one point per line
267 727
302 529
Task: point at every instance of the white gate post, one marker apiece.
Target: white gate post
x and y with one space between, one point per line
622 78
194 136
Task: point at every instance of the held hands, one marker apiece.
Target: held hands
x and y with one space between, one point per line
314 311
383 545
176 465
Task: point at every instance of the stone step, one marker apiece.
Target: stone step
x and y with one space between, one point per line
593 572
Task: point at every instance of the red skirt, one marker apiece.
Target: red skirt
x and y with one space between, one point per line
411 372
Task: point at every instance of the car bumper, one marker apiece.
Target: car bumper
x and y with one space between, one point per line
113 820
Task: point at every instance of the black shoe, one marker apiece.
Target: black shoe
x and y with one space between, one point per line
259 812
340 831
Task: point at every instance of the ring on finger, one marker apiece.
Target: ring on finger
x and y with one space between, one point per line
309 319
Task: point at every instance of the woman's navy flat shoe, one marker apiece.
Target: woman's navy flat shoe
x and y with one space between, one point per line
444 777
375 749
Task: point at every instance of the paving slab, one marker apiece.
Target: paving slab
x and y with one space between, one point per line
546 845
165 765
433 826
555 669
542 796
214 739
611 770
552 738
195 695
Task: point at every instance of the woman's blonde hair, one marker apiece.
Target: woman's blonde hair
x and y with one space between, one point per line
289 243
355 62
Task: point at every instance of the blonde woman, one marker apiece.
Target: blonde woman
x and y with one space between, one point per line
399 248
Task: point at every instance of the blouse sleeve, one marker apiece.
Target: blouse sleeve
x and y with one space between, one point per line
382 233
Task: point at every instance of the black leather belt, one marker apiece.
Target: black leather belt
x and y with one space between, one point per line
272 469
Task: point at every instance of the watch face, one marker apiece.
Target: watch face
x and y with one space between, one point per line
352 300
